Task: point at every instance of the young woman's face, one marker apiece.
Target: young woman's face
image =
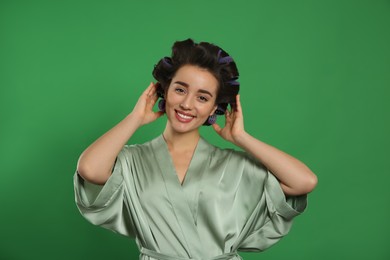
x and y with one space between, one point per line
190 98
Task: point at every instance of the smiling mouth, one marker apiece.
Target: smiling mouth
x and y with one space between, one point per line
183 116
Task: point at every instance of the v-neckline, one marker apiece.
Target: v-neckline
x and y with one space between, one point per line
187 174
184 197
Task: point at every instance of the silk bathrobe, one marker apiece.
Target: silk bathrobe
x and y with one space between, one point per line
228 202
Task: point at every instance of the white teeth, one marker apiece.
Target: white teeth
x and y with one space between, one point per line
184 116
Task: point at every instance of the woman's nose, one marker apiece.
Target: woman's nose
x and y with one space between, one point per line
187 103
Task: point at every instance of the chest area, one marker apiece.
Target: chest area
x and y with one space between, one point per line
180 163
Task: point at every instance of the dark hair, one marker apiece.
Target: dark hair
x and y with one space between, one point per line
204 55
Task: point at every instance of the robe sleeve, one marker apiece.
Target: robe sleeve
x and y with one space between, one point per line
105 205
273 214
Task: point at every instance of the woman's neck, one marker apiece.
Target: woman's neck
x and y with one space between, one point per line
180 141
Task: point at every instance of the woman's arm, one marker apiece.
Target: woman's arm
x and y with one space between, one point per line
96 162
294 176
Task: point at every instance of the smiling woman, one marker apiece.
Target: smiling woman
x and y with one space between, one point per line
190 99
177 195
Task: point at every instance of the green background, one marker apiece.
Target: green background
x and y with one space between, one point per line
315 78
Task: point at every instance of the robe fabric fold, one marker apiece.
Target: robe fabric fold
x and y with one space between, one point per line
228 202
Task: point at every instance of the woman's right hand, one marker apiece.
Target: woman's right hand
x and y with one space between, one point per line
143 110
96 162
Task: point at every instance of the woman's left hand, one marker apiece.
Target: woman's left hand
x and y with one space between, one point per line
234 124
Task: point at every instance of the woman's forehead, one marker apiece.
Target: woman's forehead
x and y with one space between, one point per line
196 78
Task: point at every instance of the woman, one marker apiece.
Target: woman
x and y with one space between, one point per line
177 195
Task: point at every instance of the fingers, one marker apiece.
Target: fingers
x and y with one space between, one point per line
151 90
147 90
151 102
235 106
158 114
236 109
229 115
238 103
217 128
151 93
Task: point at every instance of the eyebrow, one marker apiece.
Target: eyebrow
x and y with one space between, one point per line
187 85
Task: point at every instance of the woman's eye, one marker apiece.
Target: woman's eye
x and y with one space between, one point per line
179 90
203 99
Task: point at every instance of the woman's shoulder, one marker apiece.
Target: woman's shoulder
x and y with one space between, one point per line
225 151
233 155
139 148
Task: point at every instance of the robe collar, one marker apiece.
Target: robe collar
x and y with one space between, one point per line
184 197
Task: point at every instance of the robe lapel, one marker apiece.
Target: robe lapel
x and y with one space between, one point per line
184 198
193 181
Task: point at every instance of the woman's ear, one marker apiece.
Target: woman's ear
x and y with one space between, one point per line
214 109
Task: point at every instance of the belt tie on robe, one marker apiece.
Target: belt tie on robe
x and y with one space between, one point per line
160 256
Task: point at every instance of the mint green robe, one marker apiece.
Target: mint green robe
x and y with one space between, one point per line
228 202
